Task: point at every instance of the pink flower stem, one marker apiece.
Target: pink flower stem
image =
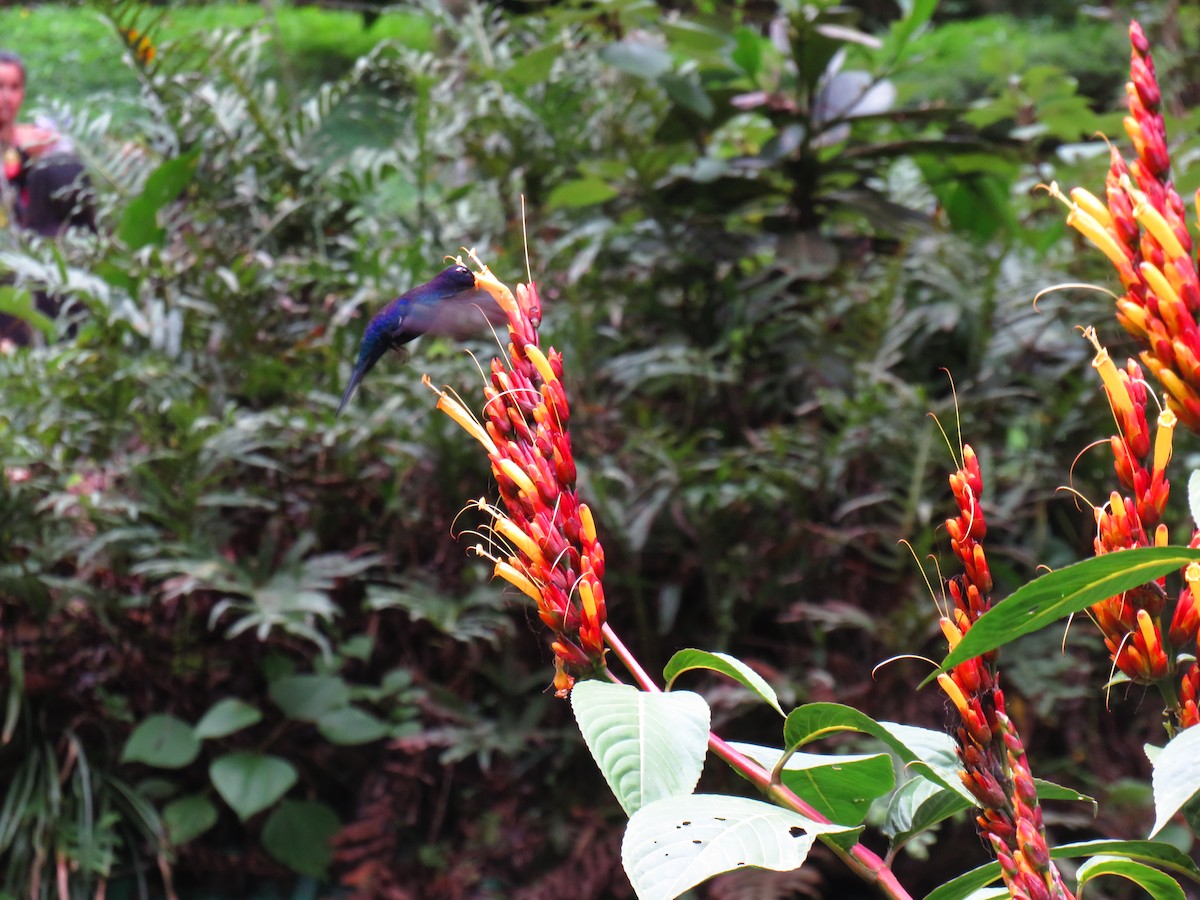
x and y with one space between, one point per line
865 863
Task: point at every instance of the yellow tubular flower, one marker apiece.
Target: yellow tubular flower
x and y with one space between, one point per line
456 411
518 476
1090 204
1164 439
485 280
1094 232
1152 220
1159 284
538 358
950 630
518 580
1118 396
952 691
510 531
589 524
588 599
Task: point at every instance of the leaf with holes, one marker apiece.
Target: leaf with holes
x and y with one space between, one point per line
648 746
676 843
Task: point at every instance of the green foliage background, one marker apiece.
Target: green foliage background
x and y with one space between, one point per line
235 626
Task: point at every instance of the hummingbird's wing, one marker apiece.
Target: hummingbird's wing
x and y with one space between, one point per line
459 316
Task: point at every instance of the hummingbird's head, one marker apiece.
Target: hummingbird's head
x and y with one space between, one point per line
457 279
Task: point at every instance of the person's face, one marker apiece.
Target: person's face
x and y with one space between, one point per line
12 92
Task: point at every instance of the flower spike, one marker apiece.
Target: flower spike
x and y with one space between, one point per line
552 553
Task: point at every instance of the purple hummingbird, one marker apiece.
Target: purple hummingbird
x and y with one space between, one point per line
449 304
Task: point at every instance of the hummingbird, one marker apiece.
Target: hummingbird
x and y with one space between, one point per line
449 304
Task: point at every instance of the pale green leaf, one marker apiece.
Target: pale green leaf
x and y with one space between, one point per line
1194 497
1176 776
648 746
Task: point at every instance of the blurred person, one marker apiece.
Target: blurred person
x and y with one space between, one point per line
43 187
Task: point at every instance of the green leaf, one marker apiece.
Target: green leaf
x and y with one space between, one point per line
586 191
351 725
533 67
18 302
15 694
693 39
1048 790
841 788
928 753
678 842
1165 856
686 660
688 93
1058 594
226 717
298 832
140 225
648 746
188 818
308 697
965 885
917 14
637 58
250 782
1158 885
1176 776
163 741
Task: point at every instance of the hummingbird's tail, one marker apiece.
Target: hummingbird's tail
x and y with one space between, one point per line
355 378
